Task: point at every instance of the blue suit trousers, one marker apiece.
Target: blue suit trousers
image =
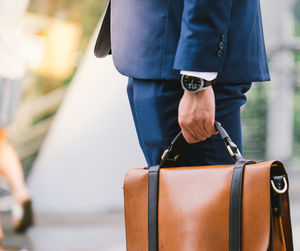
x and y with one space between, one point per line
154 106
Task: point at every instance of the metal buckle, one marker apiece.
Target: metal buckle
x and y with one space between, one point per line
232 153
202 83
164 155
233 150
280 191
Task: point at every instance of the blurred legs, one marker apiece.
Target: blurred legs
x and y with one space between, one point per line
11 169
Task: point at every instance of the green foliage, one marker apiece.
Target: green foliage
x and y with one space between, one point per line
90 17
43 117
27 164
254 116
297 57
296 146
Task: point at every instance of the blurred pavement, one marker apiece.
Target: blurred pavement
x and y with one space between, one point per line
70 233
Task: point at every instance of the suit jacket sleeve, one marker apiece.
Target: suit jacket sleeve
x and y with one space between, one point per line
203 35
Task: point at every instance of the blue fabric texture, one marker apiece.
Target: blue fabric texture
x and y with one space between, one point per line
155 39
154 106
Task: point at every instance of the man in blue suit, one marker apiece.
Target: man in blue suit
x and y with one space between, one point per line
189 62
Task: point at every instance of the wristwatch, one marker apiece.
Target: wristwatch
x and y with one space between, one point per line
194 84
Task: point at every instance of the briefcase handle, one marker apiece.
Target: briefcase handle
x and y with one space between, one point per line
177 145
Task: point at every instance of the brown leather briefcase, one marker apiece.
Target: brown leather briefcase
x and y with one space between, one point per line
244 206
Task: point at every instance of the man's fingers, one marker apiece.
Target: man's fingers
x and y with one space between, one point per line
200 132
204 129
189 137
188 131
210 127
196 131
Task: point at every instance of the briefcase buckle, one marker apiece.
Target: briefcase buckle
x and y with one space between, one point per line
233 149
280 191
164 155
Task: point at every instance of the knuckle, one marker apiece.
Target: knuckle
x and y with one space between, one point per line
206 136
188 137
211 126
189 122
181 121
202 133
189 140
202 118
202 137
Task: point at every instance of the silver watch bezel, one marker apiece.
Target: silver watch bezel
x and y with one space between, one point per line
199 89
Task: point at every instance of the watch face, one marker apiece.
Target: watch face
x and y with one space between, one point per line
192 83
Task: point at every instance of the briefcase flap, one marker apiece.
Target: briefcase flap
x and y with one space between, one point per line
193 207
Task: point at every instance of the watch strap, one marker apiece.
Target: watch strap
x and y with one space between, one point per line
208 82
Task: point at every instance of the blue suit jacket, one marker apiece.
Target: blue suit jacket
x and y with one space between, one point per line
155 39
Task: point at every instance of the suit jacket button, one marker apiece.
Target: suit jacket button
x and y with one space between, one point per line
223 37
219 53
221 45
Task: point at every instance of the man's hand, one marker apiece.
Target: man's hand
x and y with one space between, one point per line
196 115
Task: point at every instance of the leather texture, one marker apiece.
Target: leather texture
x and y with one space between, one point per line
193 209
155 39
136 209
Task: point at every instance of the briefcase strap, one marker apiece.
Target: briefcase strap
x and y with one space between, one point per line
178 144
153 208
235 207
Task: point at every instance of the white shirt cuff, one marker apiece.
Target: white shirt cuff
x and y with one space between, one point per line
205 75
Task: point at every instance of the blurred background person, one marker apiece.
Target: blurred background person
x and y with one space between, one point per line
12 72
